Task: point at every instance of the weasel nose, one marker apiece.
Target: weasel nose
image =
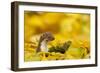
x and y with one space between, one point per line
52 38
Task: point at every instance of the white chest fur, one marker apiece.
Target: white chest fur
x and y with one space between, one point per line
44 46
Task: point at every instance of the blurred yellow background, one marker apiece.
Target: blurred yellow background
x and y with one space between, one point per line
64 26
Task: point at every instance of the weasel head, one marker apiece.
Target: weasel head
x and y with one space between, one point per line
48 36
